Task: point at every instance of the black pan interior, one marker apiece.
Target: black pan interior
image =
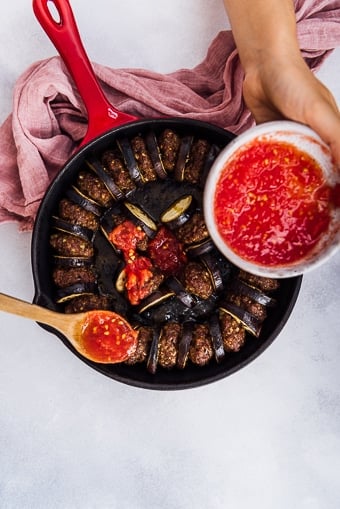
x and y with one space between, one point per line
137 375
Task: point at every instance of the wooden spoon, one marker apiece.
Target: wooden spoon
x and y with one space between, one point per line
100 336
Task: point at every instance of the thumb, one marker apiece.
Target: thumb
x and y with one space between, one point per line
326 123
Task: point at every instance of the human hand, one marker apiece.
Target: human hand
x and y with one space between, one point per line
288 89
278 83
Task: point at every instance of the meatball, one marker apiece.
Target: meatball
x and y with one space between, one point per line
67 276
233 334
193 231
197 280
194 166
201 349
254 308
143 159
71 245
75 214
145 336
169 143
93 187
114 165
265 284
168 345
87 303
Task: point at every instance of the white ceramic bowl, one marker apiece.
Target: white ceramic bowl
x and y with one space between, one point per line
303 139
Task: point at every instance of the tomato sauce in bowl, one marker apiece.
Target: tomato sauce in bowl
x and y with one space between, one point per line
272 203
269 204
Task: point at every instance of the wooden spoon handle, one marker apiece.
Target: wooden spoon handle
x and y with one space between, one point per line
27 310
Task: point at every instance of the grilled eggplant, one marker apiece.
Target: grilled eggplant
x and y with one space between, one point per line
93 188
76 196
130 161
195 164
155 299
107 179
141 218
113 164
187 298
143 158
73 229
184 344
216 337
75 290
249 322
183 157
179 212
155 155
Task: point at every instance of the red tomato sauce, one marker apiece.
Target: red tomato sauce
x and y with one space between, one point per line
167 252
138 274
138 269
126 236
272 203
107 337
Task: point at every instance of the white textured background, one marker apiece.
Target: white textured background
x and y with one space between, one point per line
267 437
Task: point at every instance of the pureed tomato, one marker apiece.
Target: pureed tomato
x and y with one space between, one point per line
138 269
272 203
107 337
167 252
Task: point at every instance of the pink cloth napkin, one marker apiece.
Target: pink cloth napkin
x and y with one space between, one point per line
49 118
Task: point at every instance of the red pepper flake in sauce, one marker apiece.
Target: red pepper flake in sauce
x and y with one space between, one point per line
107 337
167 252
272 203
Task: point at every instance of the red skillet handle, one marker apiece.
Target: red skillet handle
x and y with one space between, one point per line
63 33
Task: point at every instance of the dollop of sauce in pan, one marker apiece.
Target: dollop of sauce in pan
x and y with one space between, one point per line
138 269
167 252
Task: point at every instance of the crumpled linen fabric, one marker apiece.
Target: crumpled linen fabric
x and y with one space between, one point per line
49 118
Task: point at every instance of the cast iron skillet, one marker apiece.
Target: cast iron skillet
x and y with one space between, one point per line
105 125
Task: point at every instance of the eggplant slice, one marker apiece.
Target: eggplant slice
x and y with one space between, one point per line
141 218
107 179
155 154
179 212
